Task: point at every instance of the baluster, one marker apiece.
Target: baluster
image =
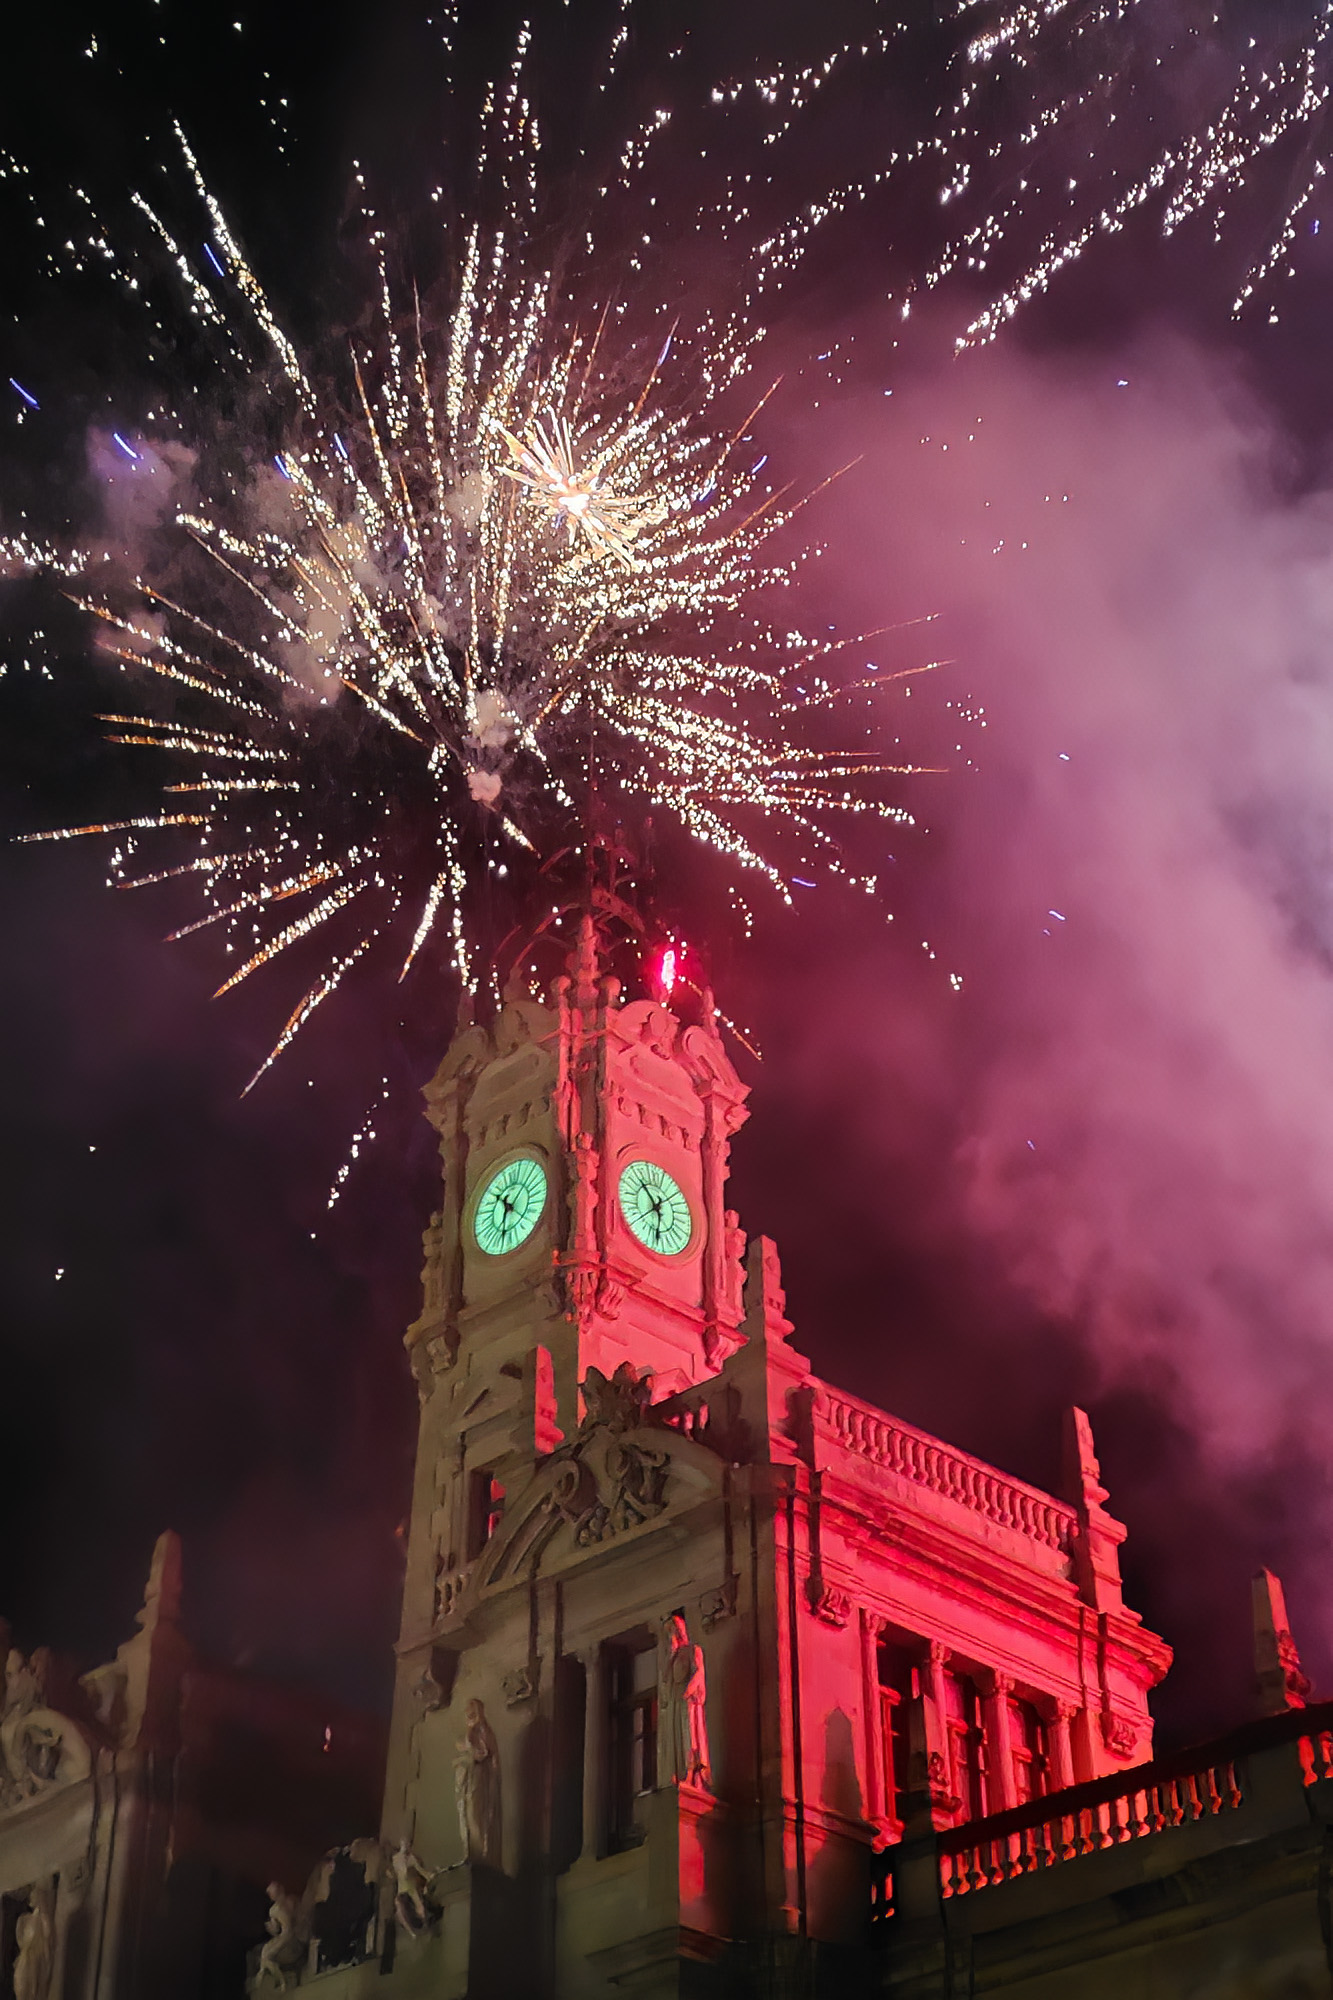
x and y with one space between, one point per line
1122 1832
976 1877
1156 1811
1138 1819
1212 1797
1086 1843
946 1877
1232 1783
1102 1821
1193 1796
1068 1836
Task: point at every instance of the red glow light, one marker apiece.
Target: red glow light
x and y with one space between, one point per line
667 971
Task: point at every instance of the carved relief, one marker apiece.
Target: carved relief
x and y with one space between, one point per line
1118 1734
715 1605
633 1489
830 1606
38 1747
519 1684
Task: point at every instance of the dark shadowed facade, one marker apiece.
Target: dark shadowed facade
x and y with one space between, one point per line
711 1679
144 1806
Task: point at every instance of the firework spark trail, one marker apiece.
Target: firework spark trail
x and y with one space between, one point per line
531 553
1114 141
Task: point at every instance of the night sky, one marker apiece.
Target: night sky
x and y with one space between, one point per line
1098 1171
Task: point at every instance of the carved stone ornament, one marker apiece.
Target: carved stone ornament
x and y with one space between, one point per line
519 1685
39 1748
615 1482
830 1606
1119 1735
427 1694
715 1605
939 1785
1289 1660
618 1401
612 1478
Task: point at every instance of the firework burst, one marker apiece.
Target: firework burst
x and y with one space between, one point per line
512 551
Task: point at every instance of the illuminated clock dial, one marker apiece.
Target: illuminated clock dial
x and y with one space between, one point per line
510 1207
655 1208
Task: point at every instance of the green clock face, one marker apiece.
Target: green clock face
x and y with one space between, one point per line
510 1207
655 1208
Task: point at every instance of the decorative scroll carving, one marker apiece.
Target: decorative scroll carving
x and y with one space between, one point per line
38 1747
684 1697
612 1478
477 1789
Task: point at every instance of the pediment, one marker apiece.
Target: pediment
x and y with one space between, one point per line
614 1484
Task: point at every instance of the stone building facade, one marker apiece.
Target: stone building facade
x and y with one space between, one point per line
688 1636
144 1805
711 1679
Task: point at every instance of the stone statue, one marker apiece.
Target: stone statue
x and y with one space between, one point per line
432 1271
477 1786
684 1721
31 1974
413 1881
286 1950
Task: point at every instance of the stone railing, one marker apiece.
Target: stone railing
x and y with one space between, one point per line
917 1456
1131 1805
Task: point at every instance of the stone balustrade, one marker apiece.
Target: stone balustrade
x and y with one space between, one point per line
1061 1829
915 1455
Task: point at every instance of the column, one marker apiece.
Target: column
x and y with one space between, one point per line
878 1806
1001 1792
932 1764
1061 1750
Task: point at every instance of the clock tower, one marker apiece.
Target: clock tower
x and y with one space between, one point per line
584 1143
687 1635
